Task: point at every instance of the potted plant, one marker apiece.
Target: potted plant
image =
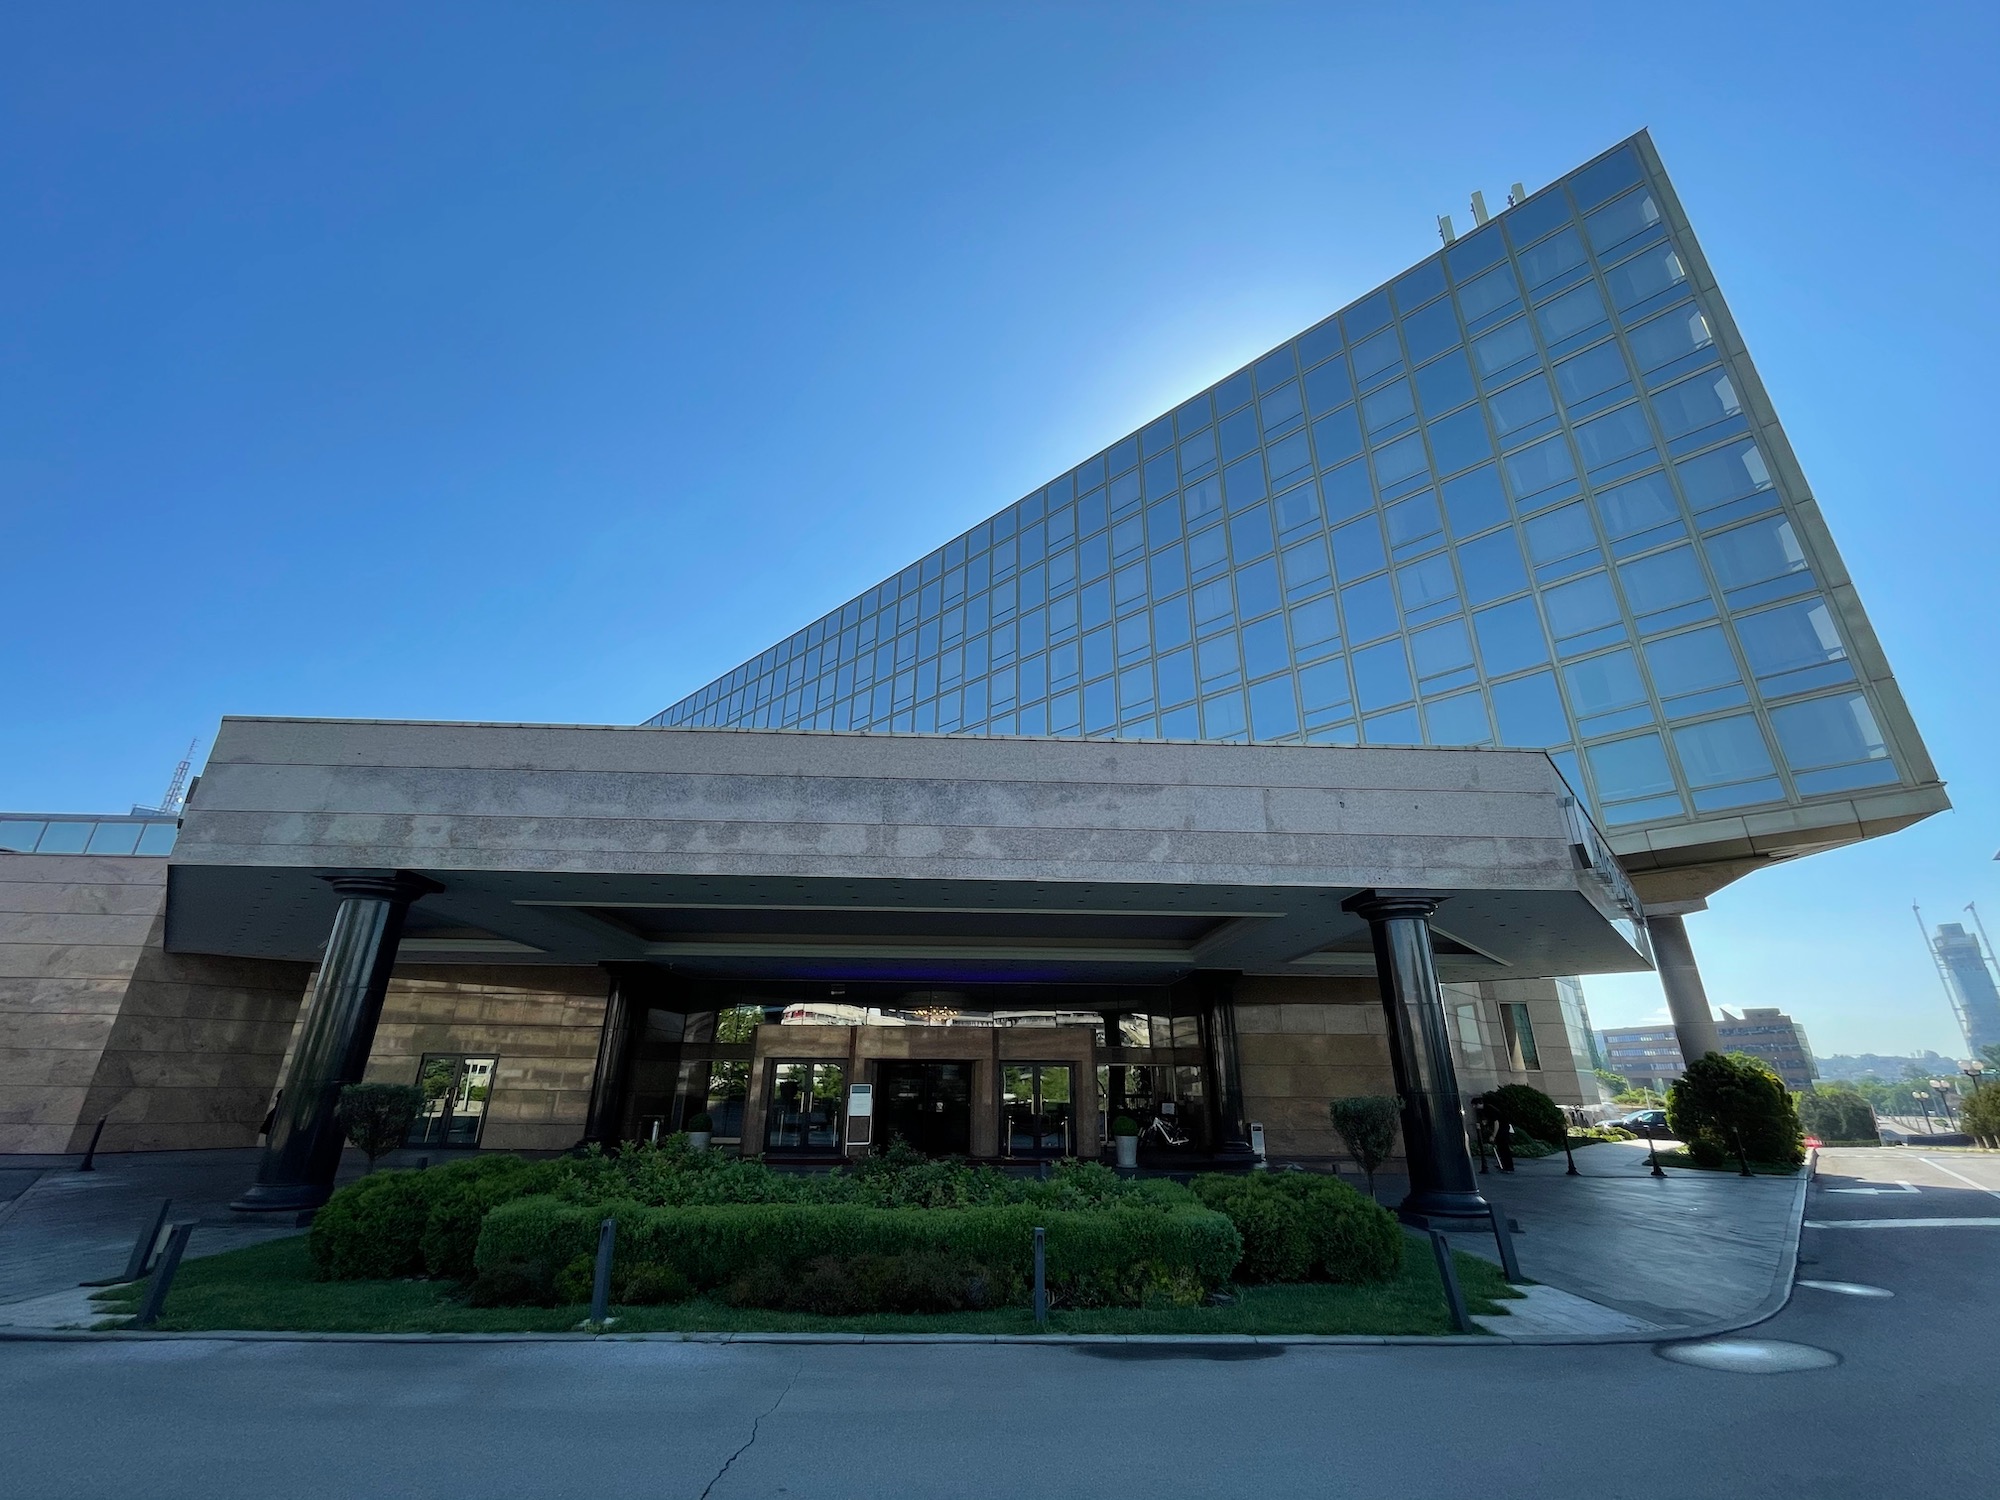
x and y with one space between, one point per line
1125 1134
700 1131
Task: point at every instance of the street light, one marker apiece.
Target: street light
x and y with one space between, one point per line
1923 1098
1972 1070
1942 1087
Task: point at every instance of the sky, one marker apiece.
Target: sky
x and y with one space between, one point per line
541 362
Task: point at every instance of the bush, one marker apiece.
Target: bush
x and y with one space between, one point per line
1979 1114
1112 1256
920 1282
1368 1124
1124 1125
1837 1114
372 1230
701 1124
1529 1111
1729 1108
1348 1238
377 1116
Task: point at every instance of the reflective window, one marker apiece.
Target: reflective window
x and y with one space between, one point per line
1641 506
1663 580
1749 559
65 838
1539 468
1416 287
1612 437
1400 460
1220 661
1669 337
1457 720
1523 405
1504 348
18 835
1602 683
1571 314
1696 403
1601 179
1630 768
1441 649
1560 534
1376 356
1264 647
1553 256
113 838
1444 383
1427 583
1475 501
1488 294
1274 711
1529 711
1222 716
1369 608
1723 750
1510 637
1691 663
1582 607
1645 275
1323 689
1727 474
1314 625
1381 676
1282 407
1275 368
1794 647
1328 387
1492 567
1383 409
1824 732
1459 441
1529 221
1591 373
1617 222
1432 330
1306 568
1337 437
1414 522
1298 507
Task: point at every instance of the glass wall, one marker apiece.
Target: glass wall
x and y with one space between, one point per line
84 835
1512 498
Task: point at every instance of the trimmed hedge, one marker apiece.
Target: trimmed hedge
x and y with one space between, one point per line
1118 1256
1297 1225
392 1224
1529 1111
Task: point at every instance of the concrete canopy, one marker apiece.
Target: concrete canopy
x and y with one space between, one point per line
811 855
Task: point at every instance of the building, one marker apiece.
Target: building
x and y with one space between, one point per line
1301 744
1530 493
1968 977
1649 1056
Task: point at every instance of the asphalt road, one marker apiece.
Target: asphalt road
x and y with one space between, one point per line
1910 1396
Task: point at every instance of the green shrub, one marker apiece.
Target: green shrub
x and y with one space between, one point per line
1124 1125
371 1230
377 1116
918 1282
650 1286
1368 1124
1979 1113
458 1197
1529 1110
1108 1256
1726 1108
1348 1237
1836 1114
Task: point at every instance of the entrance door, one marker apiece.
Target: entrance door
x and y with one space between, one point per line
1036 1099
928 1104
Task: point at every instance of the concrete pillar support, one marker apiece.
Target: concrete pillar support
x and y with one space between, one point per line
1441 1175
1680 977
303 1154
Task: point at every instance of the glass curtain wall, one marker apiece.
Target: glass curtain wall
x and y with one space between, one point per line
1514 497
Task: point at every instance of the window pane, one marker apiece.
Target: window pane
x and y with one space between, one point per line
1358 549
114 838
1604 682
1828 732
1492 567
1645 275
1792 637
1504 347
1587 604
1369 608
1551 257
1400 460
1617 222
1752 554
1530 712
65 838
1610 438
1488 293
1669 337
1722 750
1630 768
1571 313
1442 648
1475 501
18 836
1695 403
1724 475
1324 689
1541 467
1430 331
1381 675
1522 405
1458 720
1274 712
1663 580
1691 663
1426 583
1444 384
1639 506
1510 637
1460 440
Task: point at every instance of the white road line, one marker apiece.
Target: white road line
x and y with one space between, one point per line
1929 1162
1903 1223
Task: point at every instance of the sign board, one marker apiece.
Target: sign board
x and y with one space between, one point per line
860 1114
1257 1139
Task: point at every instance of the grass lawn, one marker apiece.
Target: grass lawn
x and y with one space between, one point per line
1680 1158
270 1286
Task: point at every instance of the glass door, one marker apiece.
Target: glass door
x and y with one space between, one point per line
1038 1109
455 1089
808 1100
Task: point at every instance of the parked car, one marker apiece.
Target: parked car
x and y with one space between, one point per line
1640 1121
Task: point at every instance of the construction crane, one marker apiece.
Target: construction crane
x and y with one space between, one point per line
170 805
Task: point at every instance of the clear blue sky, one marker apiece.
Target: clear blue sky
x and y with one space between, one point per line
538 362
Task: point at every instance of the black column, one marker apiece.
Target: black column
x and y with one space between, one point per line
1441 1179
611 1083
1228 1129
303 1154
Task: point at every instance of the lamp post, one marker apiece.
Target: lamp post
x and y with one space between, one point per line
1972 1070
1941 1087
1923 1098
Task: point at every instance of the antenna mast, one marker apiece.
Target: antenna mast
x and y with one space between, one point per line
177 788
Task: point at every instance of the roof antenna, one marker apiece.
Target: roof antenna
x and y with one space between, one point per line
1516 195
170 804
1445 231
1479 214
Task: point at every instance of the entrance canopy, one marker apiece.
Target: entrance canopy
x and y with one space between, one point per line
812 855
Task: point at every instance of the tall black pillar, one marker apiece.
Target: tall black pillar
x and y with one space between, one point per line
303 1154
1441 1180
1228 1128
610 1084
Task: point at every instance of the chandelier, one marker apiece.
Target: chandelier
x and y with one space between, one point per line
935 1015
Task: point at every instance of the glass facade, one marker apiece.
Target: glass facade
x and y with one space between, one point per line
70 834
1516 497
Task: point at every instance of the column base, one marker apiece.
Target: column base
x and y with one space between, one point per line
1435 1204
282 1197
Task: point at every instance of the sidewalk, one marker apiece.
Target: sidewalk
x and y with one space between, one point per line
60 1227
1686 1251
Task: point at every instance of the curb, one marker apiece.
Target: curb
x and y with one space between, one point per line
1772 1303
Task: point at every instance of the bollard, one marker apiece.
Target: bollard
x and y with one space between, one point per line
1041 1278
600 1285
1572 1172
142 1252
1454 1298
1653 1153
1509 1267
90 1154
163 1276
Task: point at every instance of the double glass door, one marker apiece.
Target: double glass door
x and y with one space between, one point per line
807 1102
927 1104
455 1090
1038 1109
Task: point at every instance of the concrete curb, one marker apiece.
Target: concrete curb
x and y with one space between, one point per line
1772 1303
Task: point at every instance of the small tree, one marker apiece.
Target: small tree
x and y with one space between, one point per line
1368 1124
1734 1106
1529 1111
377 1116
1836 1113
1980 1114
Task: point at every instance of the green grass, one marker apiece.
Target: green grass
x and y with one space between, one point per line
1680 1158
270 1287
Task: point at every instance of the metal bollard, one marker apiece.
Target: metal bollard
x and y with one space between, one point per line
1448 1273
142 1252
600 1285
90 1153
163 1276
1041 1278
1503 1237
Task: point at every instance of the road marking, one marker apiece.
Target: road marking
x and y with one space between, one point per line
1903 1223
1901 1187
1927 1161
1849 1288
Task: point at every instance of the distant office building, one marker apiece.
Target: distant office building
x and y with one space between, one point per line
1968 977
1650 1056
